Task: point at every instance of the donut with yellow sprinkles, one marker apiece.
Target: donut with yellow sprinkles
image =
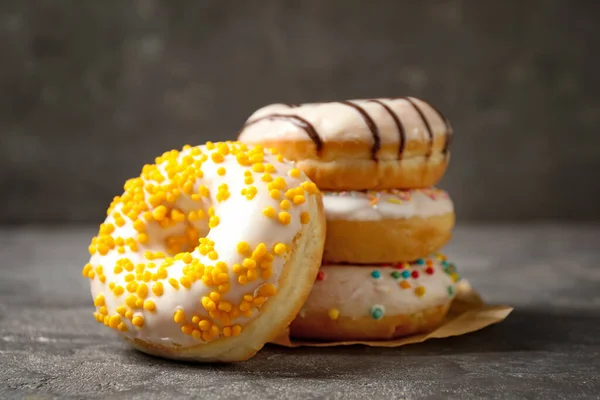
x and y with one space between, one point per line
209 253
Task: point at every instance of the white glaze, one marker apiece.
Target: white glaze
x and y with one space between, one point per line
394 204
353 291
240 220
337 122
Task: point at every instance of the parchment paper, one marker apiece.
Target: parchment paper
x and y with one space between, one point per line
468 313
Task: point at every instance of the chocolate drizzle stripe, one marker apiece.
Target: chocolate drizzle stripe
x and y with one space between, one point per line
370 124
297 121
425 121
399 125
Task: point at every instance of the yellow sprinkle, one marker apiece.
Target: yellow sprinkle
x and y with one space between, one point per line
268 290
266 178
260 251
187 329
285 205
242 247
299 199
269 212
179 316
333 313
221 171
252 275
217 157
305 218
149 305
236 330
275 193
249 263
138 321
99 300
159 213
279 249
393 200
237 268
118 290
225 306
142 290
185 282
174 283
294 173
139 226
213 222
279 183
284 218
208 304
310 187
204 325
177 216
114 321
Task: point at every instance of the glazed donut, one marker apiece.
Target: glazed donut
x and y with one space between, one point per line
394 143
377 303
386 226
209 254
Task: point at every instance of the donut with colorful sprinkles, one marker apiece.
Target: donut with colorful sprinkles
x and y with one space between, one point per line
350 302
209 253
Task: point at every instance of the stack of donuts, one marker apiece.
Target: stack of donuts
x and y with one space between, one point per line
376 163
322 217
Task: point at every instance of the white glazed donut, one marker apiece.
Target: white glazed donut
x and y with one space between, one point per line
362 144
209 254
386 226
377 303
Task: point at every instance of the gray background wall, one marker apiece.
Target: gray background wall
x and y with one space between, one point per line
90 90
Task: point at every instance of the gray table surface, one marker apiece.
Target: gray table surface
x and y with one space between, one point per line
549 347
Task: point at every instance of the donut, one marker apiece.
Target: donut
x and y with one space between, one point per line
208 254
367 144
386 226
350 302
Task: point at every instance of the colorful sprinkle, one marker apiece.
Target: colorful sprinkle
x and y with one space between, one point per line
420 261
377 312
406 274
320 275
429 270
405 285
376 274
420 291
450 291
396 274
333 313
415 274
